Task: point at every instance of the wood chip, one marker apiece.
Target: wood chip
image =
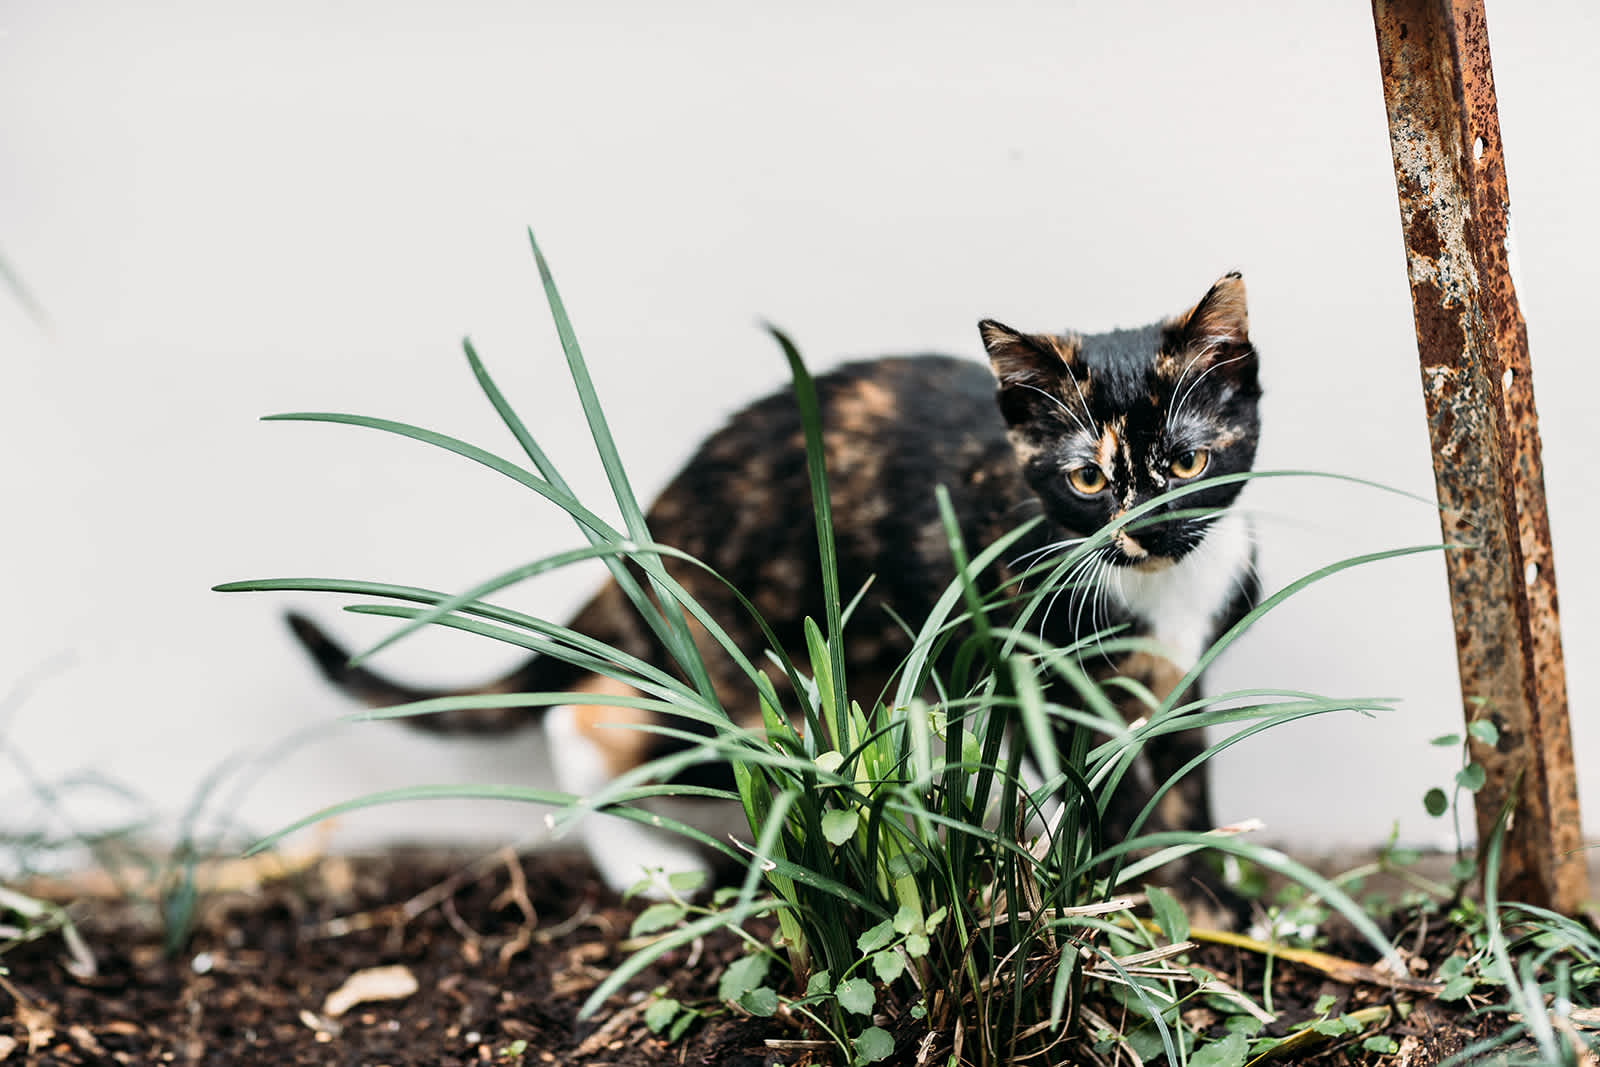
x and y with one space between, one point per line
375 983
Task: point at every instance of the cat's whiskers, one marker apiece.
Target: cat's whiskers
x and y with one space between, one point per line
1178 407
1058 402
1102 592
1250 571
1053 546
1032 501
1205 351
1071 581
1079 389
1092 584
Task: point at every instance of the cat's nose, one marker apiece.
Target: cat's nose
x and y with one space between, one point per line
1129 545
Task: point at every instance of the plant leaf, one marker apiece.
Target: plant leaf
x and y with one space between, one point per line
686 881
762 1001
657 917
659 1015
856 994
742 975
1229 1052
820 985
1435 801
873 1044
840 826
1168 914
876 937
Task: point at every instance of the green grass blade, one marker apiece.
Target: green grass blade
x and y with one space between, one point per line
565 501
599 429
541 463
1268 603
519 794
805 394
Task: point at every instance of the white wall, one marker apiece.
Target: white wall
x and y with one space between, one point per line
229 210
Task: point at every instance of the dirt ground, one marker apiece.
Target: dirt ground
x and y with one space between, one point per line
501 951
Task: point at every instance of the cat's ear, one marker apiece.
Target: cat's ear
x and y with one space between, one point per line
1221 317
1217 333
1026 358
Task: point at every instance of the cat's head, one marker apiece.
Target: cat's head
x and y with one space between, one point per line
1105 422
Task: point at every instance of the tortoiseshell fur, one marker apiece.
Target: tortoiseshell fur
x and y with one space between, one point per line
1129 404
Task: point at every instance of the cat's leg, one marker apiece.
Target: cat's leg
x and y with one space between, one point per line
1186 805
590 746
1184 802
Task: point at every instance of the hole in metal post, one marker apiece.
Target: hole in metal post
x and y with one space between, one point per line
1478 147
1506 379
1530 574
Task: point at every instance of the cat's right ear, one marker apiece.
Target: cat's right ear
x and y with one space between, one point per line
1025 358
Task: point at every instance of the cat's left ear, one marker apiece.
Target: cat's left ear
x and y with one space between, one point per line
1221 317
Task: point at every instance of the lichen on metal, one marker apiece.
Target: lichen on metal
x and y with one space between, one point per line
1449 165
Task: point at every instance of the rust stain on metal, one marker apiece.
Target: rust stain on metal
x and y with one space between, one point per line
1444 130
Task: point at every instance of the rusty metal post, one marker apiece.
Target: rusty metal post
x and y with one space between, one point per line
1450 174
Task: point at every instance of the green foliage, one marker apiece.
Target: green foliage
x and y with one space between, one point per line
909 862
1537 968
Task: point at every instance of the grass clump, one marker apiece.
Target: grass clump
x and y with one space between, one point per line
931 855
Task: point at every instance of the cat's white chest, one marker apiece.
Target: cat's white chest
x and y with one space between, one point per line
1180 604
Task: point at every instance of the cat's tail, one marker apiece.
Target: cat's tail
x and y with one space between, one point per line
537 674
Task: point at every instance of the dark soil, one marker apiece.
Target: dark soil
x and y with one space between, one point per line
503 952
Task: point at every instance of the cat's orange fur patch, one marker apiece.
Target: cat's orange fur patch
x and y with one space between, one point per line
1105 449
1157 673
875 400
608 727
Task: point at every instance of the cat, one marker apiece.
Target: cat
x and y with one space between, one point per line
1085 429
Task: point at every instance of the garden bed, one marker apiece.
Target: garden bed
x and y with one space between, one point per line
502 951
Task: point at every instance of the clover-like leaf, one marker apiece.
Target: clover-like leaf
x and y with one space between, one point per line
685 1020
742 975
1436 802
1229 1052
659 1015
876 937
686 882
820 985
840 826
873 1044
656 917
762 1001
856 994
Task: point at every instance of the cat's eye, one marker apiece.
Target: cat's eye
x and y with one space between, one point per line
1087 480
1189 464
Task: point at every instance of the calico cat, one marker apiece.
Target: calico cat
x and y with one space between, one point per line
1086 428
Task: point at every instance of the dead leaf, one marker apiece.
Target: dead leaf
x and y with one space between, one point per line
375 983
